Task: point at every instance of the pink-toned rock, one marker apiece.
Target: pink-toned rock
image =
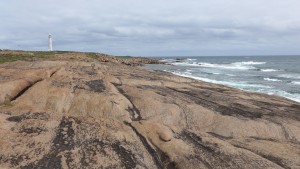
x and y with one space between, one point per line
71 113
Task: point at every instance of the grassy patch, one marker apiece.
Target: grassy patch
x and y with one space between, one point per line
124 57
7 104
91 55
27 56
43 54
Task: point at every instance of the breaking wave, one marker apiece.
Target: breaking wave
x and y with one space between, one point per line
290 76
248 87
235 65
296 83
273 80
251 63
240 85
268 70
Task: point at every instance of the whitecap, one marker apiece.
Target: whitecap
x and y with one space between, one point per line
250 63
296 83
168 60
272 80
236 65
226 66
191 59
230 75
290 76
268 70
185 64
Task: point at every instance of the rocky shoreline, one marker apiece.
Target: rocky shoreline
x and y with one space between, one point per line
83 110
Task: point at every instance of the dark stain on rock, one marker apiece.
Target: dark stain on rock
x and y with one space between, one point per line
37 115
90 148
207 153
126 156
296 106
196 140
206 99
232 110
165 159
285 111
33 130
17 118
132 112
210 155
14 160
61 84
63 141
96 86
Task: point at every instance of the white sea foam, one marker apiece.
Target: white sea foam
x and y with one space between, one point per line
290 76
294 96
191 59
269 70
236 65
249 87
273 80
186 72
185 64
250 63
230 75
240 85
168 60
296 83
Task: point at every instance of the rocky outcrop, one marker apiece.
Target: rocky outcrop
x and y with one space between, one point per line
82 114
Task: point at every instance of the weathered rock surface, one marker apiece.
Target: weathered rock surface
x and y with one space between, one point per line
76 114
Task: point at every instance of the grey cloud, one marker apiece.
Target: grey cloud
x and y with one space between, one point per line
140 27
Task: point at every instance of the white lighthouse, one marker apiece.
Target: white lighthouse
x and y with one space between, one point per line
50 43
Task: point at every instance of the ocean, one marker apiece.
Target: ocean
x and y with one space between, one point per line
273 75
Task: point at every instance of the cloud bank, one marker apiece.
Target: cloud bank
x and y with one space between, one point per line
153 28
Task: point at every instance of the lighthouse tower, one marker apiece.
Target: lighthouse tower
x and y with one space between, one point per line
50 43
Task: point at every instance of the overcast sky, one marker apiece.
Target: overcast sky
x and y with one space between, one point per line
153 27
